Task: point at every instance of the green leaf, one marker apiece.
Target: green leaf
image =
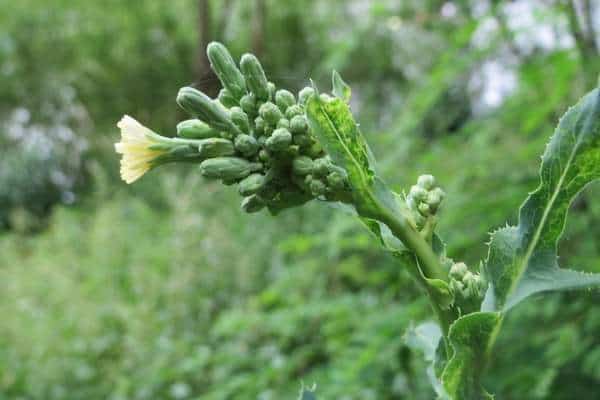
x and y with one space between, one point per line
333 124
522 260
469 337
340 88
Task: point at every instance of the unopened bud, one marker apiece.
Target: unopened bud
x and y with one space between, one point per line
270 113
259 126
226 69
272 90
325 98
426 181
336 180
424 209
458 270
228 168
284 99
246 144
252 204
279 140
292 111
255 76
305 94
249 105
284 123
240 119
322 166
418 193
195 129
252 184
215 147
298 125
200 105
302 140
302 165
227 99
317 187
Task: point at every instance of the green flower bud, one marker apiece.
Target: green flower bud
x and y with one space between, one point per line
252 184
458 270
302 165
317 187
272 89
302 140
336 180
259 126
284 99
293 150
293 110
249 105
298 125
215 147
227 135
418 193
315 150
426 181
246 144
264 156
305 94
240 119
252 204
283 123
255 76
321 166
200 105
195 129
226 69
227 99
436 196
457 286
270 113
424 209
228 168
473 285
325 98
280 140
433 199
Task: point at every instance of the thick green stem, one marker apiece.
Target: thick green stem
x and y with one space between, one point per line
442 315
428 260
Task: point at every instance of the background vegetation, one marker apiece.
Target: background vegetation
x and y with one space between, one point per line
167 290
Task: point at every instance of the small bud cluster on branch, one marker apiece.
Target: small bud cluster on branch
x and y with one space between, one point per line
255 136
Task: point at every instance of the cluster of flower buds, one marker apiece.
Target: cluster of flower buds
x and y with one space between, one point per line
468 287
252 135
258 137
424 199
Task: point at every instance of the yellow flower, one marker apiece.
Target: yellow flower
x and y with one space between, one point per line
136 147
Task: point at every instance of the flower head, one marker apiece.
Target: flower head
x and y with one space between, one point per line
138 149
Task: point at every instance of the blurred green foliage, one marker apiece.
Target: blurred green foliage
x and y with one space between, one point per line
167 290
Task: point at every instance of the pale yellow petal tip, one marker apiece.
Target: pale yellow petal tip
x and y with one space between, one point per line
135 149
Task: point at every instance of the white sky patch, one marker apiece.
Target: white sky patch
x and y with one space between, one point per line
491 85
448 10
535 27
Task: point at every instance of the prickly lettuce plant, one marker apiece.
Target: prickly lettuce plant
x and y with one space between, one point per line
282 150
